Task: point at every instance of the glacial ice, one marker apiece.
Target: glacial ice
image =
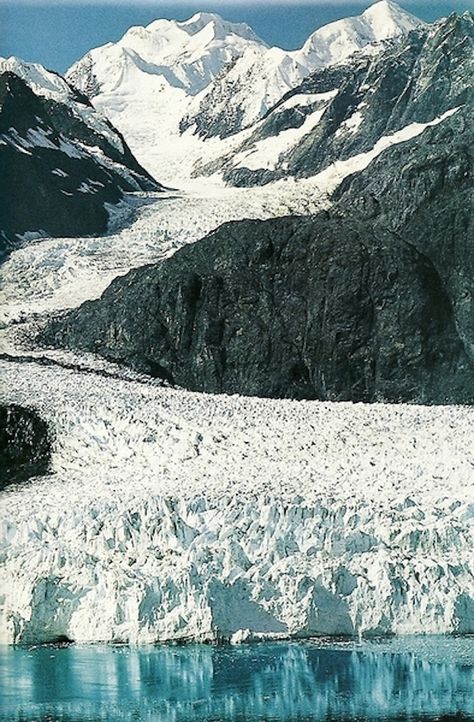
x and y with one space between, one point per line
175 516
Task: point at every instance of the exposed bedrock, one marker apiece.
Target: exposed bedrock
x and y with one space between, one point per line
25 444
69 162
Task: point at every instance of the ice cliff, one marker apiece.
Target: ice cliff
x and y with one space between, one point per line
176 516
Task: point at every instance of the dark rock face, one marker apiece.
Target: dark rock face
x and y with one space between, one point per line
314 308
25 445
424 192
52 183
208 123
371 301
415 80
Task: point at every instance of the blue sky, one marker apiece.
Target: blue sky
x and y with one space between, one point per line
58 32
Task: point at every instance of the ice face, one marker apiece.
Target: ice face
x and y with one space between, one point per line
174 516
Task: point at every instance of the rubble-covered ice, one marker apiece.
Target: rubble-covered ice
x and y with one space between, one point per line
170 515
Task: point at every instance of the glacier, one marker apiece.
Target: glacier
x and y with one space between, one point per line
170 515
61 273
173 516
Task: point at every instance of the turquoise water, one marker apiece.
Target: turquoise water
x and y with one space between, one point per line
417 679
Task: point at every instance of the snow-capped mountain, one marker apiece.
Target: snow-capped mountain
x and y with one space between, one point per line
186 55
171 84
210 516
343 111
253 85
66 157
337 41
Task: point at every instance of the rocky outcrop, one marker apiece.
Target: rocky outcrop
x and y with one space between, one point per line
25 444
285 308
68 161
371 301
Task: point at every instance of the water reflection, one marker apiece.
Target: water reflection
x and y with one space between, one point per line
271 682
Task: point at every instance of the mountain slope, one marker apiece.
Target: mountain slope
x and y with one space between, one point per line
68 160
342 111
172 85
345 305
253 85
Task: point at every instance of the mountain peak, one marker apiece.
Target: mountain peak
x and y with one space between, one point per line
385 17
42 81
200 20
338 40
383 6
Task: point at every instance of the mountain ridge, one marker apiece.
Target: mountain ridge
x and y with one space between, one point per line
69 161
412 80
170 91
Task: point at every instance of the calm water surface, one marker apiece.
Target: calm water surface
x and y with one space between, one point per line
409 679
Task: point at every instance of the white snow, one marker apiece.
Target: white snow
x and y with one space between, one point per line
335 42
39 137
352 124
268 152
13 138
86 188
301 100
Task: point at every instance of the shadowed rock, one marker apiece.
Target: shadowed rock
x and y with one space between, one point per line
25 444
